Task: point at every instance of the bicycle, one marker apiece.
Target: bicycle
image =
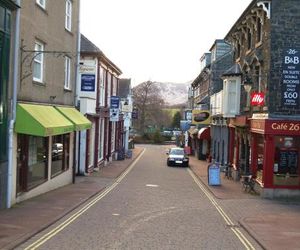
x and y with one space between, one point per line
248 183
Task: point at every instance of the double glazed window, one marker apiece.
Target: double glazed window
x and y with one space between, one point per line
68 22
38 62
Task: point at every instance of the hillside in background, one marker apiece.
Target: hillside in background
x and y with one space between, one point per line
174 94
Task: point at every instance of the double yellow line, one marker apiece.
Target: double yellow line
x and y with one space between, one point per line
228 221
72 218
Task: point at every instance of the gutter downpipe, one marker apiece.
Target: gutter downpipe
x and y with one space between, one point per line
76 153
13 105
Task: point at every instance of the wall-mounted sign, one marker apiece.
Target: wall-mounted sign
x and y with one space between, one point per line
200 116
114 102
290 85
257 99
88 82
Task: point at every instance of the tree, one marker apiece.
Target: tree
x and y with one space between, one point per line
149 102
176 120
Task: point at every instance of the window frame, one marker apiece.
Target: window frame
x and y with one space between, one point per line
37 61
68 19
67 82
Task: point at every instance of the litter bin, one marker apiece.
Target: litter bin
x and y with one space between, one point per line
213 174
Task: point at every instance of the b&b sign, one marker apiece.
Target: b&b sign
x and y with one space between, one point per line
290 83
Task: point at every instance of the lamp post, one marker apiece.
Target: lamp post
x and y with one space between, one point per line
247 86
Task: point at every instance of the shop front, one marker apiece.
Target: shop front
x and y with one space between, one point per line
275 154
45 144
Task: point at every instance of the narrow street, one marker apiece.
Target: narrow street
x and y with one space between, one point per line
152 207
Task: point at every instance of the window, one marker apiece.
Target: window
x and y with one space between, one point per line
258 77
101 140
38 62
286 170
60 154
67 73
41 3
258 31
102 87
249 39
32 161
68 24
113 137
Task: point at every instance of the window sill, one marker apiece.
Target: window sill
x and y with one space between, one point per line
35 82
258 44
69 31
67 90
42 8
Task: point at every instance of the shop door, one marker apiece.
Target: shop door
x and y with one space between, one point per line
22 163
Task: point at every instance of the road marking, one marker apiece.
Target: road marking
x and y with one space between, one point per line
151 185
72 218
227 219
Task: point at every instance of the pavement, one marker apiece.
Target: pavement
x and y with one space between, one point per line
273 224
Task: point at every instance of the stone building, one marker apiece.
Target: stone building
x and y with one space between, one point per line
265 136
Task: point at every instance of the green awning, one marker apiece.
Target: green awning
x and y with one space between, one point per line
78 119
41 120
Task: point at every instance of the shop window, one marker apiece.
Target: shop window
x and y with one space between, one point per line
60 154
32 162
286 161
260 159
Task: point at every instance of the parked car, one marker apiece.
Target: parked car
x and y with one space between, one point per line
57 151
177 157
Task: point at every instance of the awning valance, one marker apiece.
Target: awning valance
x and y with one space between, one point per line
204 133
41 120
78 119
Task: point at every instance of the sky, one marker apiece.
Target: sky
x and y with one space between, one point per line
158 40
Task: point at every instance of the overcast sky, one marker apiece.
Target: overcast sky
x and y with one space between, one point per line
158 40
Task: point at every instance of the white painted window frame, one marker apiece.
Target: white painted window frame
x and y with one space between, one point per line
67 84
68 21
39 46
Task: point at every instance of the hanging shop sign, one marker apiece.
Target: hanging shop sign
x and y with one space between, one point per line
188 115
200 116
135 113
290 85
114 102
257 99
185 125
114 115
88 82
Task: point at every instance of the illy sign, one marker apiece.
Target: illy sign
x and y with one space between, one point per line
257 99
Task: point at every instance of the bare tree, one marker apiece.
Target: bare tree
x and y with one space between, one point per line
149 102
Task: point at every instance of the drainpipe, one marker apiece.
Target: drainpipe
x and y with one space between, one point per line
13 105
77 141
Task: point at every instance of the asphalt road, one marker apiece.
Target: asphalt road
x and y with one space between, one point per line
151 207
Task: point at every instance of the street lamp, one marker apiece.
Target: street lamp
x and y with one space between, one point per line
247 83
